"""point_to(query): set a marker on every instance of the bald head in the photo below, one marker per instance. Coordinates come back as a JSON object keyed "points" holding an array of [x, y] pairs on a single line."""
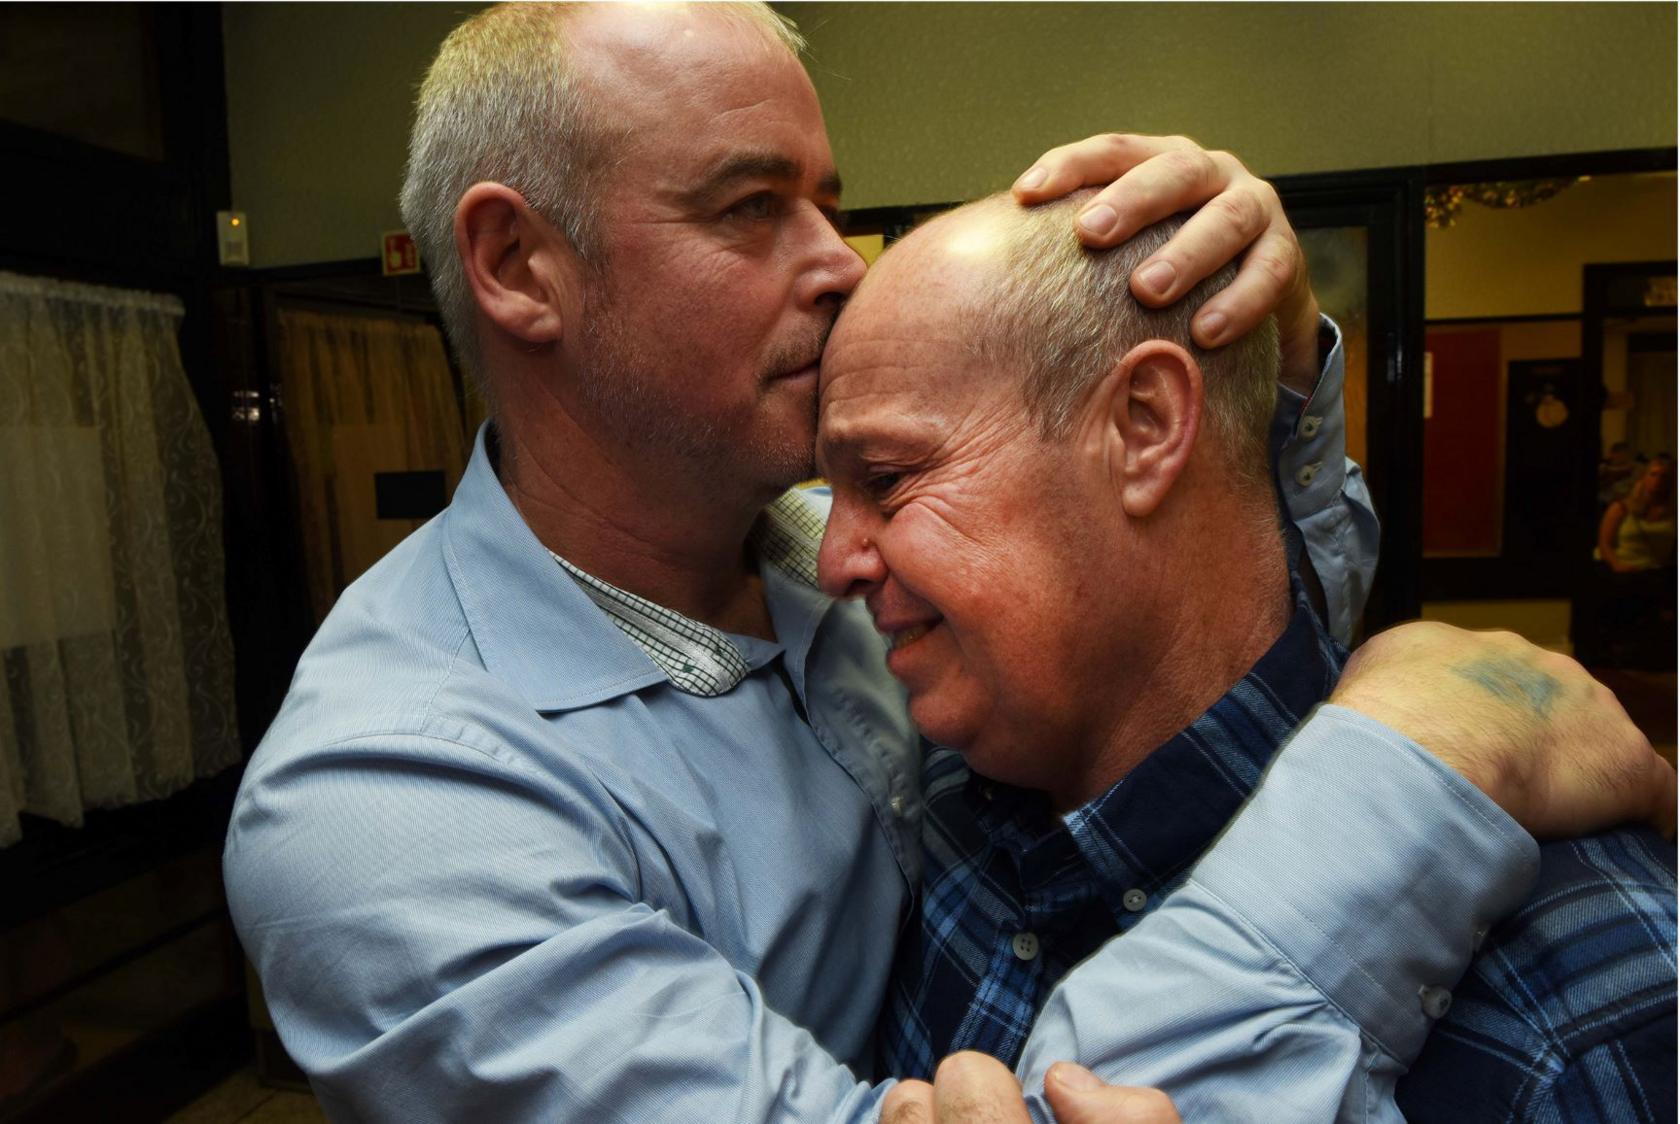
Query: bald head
{"points": [[1037, 304]]}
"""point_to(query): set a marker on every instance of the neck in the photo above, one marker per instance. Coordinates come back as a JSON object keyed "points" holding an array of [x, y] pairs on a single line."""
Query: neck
{"points": [[1202, 641], [677, 538]]}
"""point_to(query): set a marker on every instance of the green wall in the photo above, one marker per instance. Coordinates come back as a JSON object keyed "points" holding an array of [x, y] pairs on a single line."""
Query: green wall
{"points": [[936, 102]]}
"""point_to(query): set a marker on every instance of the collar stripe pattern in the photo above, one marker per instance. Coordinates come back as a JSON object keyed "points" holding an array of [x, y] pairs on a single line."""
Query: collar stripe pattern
{"points": [[696, 658]]}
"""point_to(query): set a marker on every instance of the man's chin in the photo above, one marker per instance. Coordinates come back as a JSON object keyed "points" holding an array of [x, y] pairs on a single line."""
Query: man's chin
{"points": [[942, 725], [1007, 761], [785, 455]]}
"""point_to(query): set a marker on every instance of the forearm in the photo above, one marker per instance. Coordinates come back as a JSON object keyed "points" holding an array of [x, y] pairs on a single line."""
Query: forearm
{"points": [[1288, 969]]}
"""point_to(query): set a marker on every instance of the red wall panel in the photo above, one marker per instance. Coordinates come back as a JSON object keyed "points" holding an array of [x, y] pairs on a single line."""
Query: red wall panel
{"points": [[1461, 444]]}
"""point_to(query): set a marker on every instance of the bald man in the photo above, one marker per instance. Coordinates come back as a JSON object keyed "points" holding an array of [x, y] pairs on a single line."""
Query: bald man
{"points": [[1061, 510]]}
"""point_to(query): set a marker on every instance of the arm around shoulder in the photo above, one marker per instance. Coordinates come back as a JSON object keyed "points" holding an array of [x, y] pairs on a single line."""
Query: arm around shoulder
{"points": [[1317, 925]]}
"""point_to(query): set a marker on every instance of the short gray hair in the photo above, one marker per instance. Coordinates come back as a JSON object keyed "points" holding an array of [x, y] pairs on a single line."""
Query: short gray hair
{"points": [[501, 103], [1063, 315]]}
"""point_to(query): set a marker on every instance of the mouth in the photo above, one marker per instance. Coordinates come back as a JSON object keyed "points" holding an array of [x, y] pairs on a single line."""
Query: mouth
{"points": [[900, 637], [908, 635], [807, 372]]}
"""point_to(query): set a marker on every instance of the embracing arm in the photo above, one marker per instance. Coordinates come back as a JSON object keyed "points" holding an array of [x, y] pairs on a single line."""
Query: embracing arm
{"points": [[1302, 963], [1296, 966]]}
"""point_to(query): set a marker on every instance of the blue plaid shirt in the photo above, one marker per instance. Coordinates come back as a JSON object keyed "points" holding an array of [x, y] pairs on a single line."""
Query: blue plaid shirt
{"points": [[1567, 1012]]}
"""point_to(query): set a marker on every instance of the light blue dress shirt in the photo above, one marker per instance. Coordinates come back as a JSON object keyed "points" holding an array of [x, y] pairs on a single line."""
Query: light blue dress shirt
{"points": [[1303, 962], [492, 865], [1325, 491]]}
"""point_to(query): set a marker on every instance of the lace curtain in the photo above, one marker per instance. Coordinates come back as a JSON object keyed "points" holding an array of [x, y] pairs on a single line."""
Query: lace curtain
{"points": [[364, 397], [118, 664]]}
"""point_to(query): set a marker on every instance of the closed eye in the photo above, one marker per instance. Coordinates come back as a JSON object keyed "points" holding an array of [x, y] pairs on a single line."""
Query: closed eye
{"points": [[882, 484], [756, 207]]}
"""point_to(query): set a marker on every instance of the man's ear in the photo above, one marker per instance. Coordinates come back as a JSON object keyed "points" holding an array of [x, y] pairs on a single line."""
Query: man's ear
{"points": [[1141, 420], [517, 265]]}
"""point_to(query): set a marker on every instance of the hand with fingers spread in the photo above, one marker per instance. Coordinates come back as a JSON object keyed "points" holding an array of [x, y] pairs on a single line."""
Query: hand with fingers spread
{"points": [[973, 1088], [1237, 215]]}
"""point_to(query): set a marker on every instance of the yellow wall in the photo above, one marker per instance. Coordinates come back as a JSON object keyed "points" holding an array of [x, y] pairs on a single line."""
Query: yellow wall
{"points": [[936, 102], [1545, 623], [1528, 260]]}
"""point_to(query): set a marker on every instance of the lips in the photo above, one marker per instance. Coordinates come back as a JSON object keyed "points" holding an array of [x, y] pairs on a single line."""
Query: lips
{"points": [[809, 370], [901, 633], [902, 618]]}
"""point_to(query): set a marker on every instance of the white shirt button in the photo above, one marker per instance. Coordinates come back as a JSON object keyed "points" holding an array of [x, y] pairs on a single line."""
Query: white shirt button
{"points": [[1308, 471], [1025, 945], [1309, 426], [897, 805], [1435, 1001], [1134, 900]]}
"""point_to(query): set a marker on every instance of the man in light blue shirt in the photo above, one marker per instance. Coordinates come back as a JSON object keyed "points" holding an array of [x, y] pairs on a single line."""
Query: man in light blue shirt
{"points": [[584, 803]]}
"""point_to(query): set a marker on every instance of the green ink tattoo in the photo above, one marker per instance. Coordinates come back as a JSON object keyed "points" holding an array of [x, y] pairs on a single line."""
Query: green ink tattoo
{"points": [[1512, 681]]}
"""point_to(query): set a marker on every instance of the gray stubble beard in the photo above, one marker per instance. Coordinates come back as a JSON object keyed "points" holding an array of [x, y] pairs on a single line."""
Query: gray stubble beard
{"points": [[641, 412]]}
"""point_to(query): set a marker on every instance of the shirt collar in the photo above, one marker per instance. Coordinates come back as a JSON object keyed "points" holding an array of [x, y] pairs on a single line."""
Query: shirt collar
{"points": [[697, 658], [1143, 833], [534, 629], [540, 632]]}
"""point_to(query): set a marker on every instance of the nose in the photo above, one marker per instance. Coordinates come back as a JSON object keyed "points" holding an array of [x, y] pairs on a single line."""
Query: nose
{"points": [[849, 562], [835, 268]]}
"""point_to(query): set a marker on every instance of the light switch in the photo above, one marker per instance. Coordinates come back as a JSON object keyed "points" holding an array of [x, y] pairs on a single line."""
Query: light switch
{"points": [[233, 238]]}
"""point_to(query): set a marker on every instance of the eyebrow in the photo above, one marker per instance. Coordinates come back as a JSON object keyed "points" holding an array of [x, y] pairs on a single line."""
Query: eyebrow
{"points": [[854, 443], [753, 165]]}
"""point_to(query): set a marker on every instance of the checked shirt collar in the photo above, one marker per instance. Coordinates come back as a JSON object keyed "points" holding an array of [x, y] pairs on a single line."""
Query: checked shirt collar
{"points": [[697, 658]]}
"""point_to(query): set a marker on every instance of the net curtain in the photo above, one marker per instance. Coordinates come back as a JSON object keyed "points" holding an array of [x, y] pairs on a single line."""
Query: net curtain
{"points": [[118, 663]]}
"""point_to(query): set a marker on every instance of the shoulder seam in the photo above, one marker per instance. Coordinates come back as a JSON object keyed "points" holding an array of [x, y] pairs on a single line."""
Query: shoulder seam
{"points": [[448, 673]]}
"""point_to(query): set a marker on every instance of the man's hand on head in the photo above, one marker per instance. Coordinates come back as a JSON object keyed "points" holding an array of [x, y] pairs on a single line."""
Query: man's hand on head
{"points": [[1545, 740], [1237, 215], [973, 1088]]}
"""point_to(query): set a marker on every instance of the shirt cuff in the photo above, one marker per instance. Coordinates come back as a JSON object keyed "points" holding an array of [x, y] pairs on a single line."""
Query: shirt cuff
{"points": [[1374, 869], [1309, 432]]}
